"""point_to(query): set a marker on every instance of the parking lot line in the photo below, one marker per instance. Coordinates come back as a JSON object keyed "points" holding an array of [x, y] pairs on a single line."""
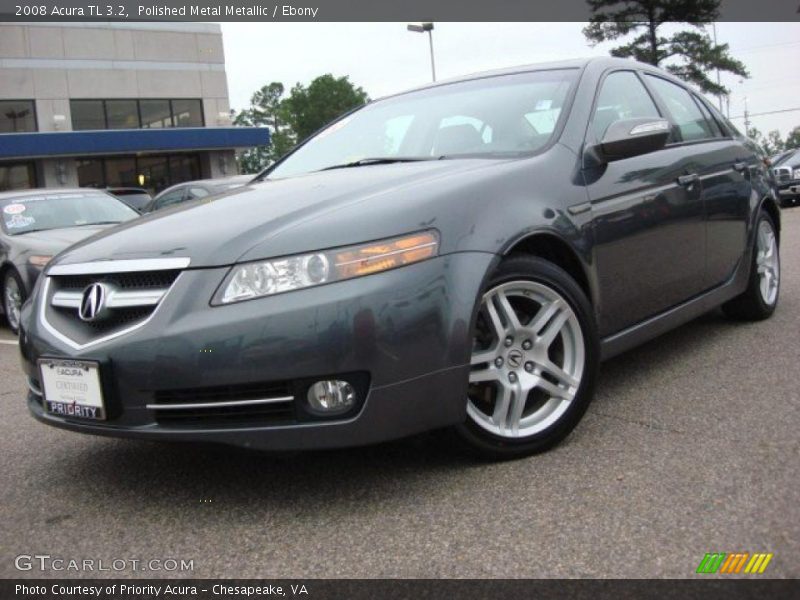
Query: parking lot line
{"points": [[9, 342]]}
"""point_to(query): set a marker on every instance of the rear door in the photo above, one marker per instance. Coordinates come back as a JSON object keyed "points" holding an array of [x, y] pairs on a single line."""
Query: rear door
{"points": [[647, 215], [723, 164]]}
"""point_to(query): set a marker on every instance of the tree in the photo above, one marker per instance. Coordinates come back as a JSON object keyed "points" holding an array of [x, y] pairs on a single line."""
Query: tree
{"points": [[309, 108], [265, 111], [690, 54], [292, 119], [793, 139], [771, 143]]}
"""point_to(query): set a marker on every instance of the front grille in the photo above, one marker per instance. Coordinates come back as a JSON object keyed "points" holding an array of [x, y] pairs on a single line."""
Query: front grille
{"points": [[251, 404], [783, 174], [130, 299], [135, 280]]}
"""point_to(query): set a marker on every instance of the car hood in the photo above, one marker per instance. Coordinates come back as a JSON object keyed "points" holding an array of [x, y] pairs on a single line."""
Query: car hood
{"points": [[298, 214], [53, 241]]}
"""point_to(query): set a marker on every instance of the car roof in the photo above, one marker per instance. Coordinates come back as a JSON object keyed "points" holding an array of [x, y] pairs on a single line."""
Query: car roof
{"points": [[210, 182], [49, 191], [573, 63]]}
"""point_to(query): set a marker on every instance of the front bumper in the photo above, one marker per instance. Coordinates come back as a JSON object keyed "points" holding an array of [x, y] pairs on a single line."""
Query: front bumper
{"points": [[407, 331]]}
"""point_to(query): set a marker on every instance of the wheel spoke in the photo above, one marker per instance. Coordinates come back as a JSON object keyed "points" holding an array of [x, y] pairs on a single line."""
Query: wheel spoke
{"points": [[508, 312], [486, 356], [484, 375], [563, 377], [494, 317], [545, 315], [554, 390], [551, 331], [508, 407]]}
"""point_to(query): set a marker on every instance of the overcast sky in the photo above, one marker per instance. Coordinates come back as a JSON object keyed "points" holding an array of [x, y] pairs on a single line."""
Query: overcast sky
{"points": [[384, 57]]}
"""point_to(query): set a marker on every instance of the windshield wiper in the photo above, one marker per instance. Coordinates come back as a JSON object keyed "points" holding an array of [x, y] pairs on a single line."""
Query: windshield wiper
{"points": [[381, 160], [98, 223]]}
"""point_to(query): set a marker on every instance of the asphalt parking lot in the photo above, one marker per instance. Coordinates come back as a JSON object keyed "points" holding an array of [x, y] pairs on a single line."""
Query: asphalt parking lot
{"points": [[691, 446]]}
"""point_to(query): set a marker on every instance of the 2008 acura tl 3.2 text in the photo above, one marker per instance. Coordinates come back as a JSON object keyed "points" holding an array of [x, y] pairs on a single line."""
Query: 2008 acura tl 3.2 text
{"points": [[460, 255]]}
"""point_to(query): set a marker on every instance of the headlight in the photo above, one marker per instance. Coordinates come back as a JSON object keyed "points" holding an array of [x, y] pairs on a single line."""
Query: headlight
{"points": [[266, 278], [39, 260], [796, 174]]}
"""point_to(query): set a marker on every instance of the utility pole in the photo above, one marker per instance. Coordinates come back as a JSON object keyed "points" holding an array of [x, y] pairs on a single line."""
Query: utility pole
{"points": [[719, 97], [746, 118]]}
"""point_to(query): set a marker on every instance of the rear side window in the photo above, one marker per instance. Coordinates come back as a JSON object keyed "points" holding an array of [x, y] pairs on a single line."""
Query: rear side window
{"points": [[169, 199], [622, 96], [197, 192], [686, 115]]}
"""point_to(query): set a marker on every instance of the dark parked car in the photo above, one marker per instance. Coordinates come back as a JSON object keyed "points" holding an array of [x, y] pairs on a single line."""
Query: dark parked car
{"points": [[787, 177], [463, 255], [192, 190], [35, 225], [137, 198]]}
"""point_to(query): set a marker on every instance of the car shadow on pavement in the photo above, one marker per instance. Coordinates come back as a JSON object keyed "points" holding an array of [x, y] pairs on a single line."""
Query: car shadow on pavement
{"points": [[183, 472]]}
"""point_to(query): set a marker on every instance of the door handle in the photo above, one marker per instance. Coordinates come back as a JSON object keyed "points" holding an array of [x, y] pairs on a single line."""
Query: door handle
{"points": [[688, 180], [741, 167]]}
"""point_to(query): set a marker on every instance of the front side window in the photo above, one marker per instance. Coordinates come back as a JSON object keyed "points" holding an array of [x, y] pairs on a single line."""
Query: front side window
{"points": [[54, 211], [17, 116], [691, 123], [491, 117], [623, 96]]}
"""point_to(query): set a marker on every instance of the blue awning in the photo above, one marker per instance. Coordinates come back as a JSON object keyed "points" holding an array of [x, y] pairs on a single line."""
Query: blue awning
{"points": [[121, 141]]}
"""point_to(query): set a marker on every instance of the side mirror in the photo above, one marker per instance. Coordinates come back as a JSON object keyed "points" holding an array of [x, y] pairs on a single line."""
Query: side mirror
{"points": [[632, 137]]}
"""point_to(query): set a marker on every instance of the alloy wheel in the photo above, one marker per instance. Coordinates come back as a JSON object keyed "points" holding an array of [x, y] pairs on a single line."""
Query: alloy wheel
{"points": [[527, 362], [767, 262], [12, 302]]}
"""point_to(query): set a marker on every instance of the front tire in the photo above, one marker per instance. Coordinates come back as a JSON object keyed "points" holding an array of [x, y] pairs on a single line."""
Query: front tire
{"points": [[534, 363], [759, 300], [13, 297]]}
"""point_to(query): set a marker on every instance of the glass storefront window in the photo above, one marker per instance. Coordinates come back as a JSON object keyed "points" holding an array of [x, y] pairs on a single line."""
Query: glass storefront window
{"points": [[17, 116], [122, 114], [187, 113], [87, 114], [154, 172], [90, 173], [17, 176], [155, 113], [121, 172]]}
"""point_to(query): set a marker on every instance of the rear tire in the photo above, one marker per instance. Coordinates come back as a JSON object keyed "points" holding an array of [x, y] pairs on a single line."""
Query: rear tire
{"points": [[759, 300], [534, 363]]}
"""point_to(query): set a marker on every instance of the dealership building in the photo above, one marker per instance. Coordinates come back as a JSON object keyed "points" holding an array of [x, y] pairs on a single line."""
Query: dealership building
{"points": [[115, 104]]}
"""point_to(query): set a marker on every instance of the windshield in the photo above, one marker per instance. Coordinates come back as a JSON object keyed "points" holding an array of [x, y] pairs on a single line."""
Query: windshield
{"points": [[53, 211], [786, 156], [507, 115]]}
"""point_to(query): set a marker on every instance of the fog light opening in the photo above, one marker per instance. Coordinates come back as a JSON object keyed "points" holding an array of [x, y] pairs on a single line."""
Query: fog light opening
{"points": [[331, 397]]}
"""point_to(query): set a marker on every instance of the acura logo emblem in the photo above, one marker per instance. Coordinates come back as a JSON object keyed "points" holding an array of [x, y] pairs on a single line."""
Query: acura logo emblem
{"points": [[93, 302], [515, 358]]}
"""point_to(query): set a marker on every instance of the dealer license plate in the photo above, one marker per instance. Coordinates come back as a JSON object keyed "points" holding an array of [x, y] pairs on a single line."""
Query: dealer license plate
{"points": [[71, 388]]}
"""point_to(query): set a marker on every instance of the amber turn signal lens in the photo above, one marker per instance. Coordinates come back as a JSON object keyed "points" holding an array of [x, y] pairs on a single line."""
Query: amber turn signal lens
{"points": [[385, 255]]}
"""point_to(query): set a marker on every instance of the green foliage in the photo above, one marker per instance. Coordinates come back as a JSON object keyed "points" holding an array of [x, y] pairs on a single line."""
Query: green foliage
{"points": [[689, 54], [772, 142], [793, 139], [322, 101], [292, 119]]}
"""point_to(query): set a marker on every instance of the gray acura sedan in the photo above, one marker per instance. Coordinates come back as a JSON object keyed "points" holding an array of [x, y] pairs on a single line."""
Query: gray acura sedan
{"points": [[458, 256]]}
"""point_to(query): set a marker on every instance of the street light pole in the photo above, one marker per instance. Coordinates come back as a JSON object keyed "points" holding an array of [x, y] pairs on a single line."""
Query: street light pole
{"points": [[426, 27]]}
